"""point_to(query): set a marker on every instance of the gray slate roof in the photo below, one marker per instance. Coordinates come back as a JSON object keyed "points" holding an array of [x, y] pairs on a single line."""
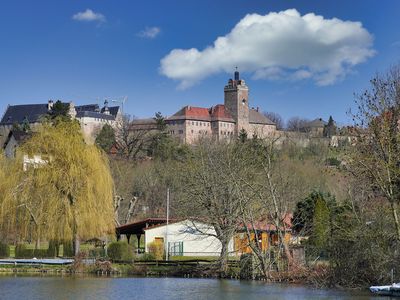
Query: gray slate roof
{"points": [[18, 113], [93, 114], [87, 107], [113, 110], [256, 117]]}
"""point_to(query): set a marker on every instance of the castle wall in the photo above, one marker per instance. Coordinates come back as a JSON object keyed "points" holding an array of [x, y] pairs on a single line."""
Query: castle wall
{"points": [[261, 130]]}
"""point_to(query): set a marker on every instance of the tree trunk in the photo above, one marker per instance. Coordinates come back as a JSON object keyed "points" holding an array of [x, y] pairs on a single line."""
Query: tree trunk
{"points": [[393, 206], [76, 244], [223, 259]]}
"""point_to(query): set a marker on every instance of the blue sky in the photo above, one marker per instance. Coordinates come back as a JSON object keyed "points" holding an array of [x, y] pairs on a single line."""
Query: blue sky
{"points": [[85, 51]]}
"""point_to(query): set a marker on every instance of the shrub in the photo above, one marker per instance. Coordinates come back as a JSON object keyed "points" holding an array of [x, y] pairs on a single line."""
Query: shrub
{"points": [[53, 249], [4, 250], [68, 249], [21, 251], [156, 249], [40, 253], [120, 251], [96, 252]]}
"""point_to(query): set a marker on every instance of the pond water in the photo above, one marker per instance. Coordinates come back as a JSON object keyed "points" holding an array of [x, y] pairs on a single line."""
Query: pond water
{"points": [[69, 287]]}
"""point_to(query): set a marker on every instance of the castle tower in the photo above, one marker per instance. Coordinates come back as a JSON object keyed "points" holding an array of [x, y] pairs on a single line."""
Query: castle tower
{"points": [[236, 100]]}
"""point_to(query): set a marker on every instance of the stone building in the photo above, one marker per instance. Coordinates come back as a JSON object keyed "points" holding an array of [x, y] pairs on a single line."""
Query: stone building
{"points": [[222, 121], [90, 117]]}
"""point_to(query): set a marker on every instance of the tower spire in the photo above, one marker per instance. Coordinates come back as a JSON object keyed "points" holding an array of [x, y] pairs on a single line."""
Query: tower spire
{"points": [[237, 77]]}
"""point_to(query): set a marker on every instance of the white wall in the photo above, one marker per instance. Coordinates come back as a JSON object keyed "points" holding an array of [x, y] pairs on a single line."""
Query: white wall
{"points": [[195, 243]]}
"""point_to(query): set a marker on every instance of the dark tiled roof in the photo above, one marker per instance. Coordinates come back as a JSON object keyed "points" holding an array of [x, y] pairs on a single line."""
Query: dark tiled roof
{"points": [[18, 113], [256, 117], [87, 107], [19, 135], [93, 114], [113, 110]]}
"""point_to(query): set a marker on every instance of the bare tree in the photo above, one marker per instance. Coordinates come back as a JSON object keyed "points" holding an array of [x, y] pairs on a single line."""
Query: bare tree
{"points": [[276, 118], [130, 142], [376, 155], [210, 192], [296, 124]]}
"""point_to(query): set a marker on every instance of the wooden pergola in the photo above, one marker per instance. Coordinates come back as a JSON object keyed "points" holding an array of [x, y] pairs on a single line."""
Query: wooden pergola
{"points": [[137, 228]]}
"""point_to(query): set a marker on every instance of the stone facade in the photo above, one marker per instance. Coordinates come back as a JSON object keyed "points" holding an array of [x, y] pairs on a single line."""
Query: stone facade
{"points": [[90, 117], [222, 121]]}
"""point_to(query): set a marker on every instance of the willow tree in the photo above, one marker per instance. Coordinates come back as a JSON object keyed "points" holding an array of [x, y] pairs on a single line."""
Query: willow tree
{"points": [[60, 187]]}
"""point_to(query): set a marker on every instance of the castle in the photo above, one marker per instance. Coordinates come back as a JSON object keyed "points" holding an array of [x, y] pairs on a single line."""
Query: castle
{"points": [[91, 118], [222, 121]]}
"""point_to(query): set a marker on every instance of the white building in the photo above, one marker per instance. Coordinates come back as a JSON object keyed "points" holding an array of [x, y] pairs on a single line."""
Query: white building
{"points": [[185, 238]]}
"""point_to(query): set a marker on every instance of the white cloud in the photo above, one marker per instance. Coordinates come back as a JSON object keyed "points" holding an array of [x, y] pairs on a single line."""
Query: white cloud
{"points": [[149, 32], [89, 16], [283, 45]]}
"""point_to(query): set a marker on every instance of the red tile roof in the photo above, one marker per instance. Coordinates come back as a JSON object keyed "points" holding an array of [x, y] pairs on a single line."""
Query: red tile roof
{"points": [[214, 113]]}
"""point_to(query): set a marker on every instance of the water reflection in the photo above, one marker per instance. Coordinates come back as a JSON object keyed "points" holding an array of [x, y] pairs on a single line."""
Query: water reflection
{"points": [[69, 287]]}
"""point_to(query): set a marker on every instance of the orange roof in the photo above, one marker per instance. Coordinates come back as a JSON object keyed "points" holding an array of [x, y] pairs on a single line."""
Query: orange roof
{"points": [[214, 113]]}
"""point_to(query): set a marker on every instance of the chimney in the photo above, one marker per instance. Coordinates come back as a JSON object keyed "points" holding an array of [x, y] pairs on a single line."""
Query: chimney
{"points": [[50, 105]]}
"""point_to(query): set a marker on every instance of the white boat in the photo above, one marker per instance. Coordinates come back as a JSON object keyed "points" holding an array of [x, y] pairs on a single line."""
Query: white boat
{"points": [[386, 290]]}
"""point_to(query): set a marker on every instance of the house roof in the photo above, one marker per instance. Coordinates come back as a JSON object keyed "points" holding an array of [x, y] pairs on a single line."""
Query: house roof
{"points": [[87, 107], [215, 113], [18, 113], [112, 109], [138, 227], [19, 135], [220, 113], [316, 123], [256, 117], [93, 114]]}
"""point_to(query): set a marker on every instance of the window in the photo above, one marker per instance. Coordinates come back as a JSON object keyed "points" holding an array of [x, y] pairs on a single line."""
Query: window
{"points": [[175, 248], [180, 131]]}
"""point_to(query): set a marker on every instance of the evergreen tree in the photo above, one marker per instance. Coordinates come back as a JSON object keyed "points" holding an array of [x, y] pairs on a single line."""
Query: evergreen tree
{"points": [[106, 138], [321, 225], [60, 111], [330, 128], [243, 135]]}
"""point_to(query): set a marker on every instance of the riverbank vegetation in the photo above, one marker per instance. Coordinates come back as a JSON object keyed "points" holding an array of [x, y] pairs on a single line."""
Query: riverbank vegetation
{"points": [[337, 206]]}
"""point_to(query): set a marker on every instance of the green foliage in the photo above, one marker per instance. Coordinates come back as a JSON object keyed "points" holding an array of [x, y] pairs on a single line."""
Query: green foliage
{"points": [[22, 251], [303, 216], [321, 225], [363, 251], [4, 250], [120, 250], [68, 249], [96, 252], [53, 249], [333, 162], [160, 120], [330, 128], [60, 110], [157, 250], [68, 194], [106, 138], [243, 135]]}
